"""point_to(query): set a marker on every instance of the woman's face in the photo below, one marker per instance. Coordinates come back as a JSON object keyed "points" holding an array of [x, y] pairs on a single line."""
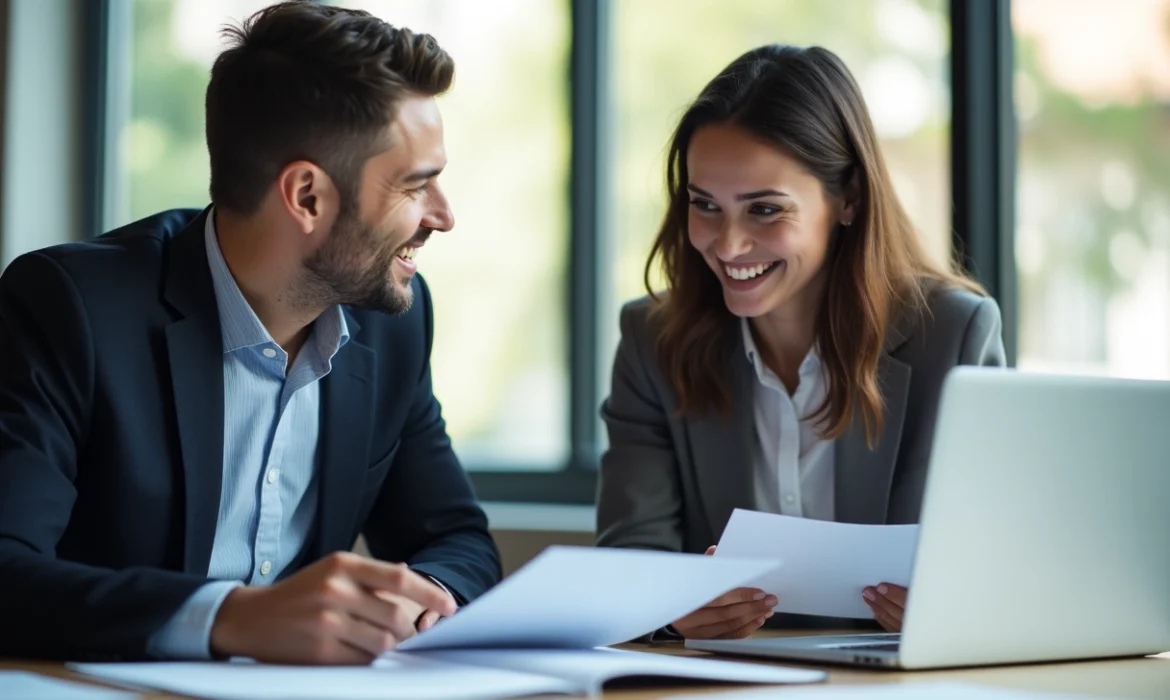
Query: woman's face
{"points": [[762, 223]]}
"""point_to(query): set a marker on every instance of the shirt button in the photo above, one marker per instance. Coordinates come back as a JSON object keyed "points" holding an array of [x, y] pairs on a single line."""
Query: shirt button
{"points": [[790, 499], [269, 353], [272, 475], [265, 568]]}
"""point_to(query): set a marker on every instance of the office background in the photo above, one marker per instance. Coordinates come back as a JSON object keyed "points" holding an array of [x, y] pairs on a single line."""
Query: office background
{"points": [[1030, 136]]}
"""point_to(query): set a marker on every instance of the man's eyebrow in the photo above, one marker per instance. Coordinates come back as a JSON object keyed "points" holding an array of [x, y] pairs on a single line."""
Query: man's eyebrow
{"points": [[419, 175]]}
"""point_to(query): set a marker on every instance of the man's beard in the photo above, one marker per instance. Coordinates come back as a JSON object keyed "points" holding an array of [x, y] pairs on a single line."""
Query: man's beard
{"points": [[336, 273]]}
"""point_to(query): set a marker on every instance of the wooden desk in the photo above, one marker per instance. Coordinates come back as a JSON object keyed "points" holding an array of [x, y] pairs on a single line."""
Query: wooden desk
{"points": [[1126, 678]]}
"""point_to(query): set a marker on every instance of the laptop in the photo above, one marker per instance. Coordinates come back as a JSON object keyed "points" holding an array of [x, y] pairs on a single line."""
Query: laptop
{"points": [[1044, 532]]}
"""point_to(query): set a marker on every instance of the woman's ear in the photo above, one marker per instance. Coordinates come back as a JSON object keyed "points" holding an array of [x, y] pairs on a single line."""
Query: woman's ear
{"points": [[851, 201]]}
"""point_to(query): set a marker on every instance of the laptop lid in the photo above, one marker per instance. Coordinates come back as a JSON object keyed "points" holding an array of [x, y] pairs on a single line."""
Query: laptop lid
{"points": [[1045, 524]]}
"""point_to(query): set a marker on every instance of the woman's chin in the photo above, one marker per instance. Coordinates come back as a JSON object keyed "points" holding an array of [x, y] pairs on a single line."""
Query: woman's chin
{"points": [[743, 307]]}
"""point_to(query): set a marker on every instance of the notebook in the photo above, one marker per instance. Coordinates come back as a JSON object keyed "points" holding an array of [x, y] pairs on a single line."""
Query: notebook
{"points": [[477, 674]]}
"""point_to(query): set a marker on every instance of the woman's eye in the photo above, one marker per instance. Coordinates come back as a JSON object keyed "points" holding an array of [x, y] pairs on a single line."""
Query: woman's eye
{"points": [[765, 210], [703, 205]]}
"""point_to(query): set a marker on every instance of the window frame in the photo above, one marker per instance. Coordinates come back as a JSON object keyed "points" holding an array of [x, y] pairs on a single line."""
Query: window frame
{"points": [[983, 163]]}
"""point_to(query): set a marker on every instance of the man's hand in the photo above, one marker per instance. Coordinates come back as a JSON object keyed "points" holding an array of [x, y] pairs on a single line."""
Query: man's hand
{"points": [[733, 615], [343, 609], [888, 603], [423, 618]]}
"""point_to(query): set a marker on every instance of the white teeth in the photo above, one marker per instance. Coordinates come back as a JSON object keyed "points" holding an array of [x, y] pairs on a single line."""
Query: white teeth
{"points": [[408, 253], [746, 273]]}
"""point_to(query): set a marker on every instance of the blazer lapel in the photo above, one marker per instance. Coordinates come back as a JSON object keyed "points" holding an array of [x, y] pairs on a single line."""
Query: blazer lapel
{"points": [[347, 406], [195, 349], [863, 476], [721, 449]]}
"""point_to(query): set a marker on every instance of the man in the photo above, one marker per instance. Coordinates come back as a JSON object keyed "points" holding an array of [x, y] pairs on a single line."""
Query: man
{"points": [[199, 412]]}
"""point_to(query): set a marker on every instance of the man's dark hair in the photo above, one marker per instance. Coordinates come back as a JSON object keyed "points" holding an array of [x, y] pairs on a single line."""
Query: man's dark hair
{"points": [[304, 81]]}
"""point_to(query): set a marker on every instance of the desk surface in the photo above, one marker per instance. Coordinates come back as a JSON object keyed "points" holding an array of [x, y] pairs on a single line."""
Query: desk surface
{"points": [[1126, 678]]}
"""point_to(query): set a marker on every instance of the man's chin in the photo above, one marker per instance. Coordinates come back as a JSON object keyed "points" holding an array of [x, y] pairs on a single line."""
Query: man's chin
{"points": [[394, 300]]}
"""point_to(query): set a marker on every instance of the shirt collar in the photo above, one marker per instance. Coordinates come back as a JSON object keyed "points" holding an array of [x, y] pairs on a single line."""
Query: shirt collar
{"points": [[808, 367], [239, 325]]}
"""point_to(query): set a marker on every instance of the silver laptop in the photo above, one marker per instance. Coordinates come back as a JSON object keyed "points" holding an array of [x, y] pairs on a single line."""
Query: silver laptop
{"points": [[1045, 530]]}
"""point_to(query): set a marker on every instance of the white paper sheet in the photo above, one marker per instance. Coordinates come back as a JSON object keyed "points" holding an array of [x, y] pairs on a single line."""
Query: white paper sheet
{"points": [[584, 597], [32, 686], [588, 669], [897, 691], [395, 677], [826, 564]]}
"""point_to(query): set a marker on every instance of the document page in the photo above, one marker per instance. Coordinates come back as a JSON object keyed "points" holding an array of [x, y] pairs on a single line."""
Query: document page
{"points": [[394, 677], [589, 669], [584, 597], [826, 564]]}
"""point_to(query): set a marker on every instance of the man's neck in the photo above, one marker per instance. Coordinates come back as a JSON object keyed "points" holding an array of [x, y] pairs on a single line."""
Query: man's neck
{"points": [[264, 278]]}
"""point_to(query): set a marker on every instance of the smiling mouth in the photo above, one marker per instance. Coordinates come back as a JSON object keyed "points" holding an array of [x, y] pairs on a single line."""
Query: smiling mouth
{"points": [[743, 273], [408, 252]]}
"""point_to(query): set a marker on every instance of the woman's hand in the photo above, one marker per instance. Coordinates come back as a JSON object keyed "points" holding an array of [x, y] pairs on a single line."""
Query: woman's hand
{"points": [[733, 615], [888, 603]]}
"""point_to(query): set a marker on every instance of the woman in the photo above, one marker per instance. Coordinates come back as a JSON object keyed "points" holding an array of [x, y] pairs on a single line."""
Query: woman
{"points": [[795, 361]]}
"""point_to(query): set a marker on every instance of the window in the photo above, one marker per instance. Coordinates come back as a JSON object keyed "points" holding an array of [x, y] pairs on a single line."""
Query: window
{"points": [[667, 50], [1093, 236], [557, 129], [499, 359], [156, 102]]}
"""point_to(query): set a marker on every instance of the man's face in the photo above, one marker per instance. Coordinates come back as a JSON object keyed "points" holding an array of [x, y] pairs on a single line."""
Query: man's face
{"points": [[367, 260]]}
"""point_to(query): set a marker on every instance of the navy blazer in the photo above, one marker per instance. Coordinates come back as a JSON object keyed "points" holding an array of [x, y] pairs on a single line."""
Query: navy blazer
{"points": [[111, 443]]}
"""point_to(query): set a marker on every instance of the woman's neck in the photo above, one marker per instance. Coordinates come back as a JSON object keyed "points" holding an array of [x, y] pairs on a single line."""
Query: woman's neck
{"points": [[783, 342], [784, 335]]}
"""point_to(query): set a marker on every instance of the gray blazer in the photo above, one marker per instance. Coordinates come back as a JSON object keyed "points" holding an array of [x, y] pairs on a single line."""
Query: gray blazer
{"points": [[671, 483]]}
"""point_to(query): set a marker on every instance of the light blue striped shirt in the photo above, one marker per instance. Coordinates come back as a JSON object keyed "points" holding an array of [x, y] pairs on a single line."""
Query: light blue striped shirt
{"points": [[268, 499]]}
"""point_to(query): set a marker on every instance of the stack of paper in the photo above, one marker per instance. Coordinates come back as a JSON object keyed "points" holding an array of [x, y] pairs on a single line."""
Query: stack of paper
{"points": [[534, 633]]}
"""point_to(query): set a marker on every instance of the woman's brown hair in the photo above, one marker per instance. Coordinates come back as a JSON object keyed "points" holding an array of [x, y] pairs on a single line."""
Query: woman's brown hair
{"points": [[805, 102]]}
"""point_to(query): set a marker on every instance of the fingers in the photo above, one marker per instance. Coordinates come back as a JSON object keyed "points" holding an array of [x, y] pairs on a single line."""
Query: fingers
{"points": [[877, 601], [395, 578], [887, 622], [393, 614], [714, 620], [732, 628], [361, 636], [746, 630], [894, 594], [738, 595], [888, 613], [710, 550], [428, 619]]}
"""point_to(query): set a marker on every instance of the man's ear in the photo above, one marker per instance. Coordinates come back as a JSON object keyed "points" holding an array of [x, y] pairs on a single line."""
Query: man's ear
{"points": [[308, 195]]}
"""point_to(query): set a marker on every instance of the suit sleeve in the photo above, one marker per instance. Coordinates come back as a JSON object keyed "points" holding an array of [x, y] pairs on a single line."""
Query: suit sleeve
{"points": [[50, 607], [983, 339], [426, 514], [639, 501]]}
